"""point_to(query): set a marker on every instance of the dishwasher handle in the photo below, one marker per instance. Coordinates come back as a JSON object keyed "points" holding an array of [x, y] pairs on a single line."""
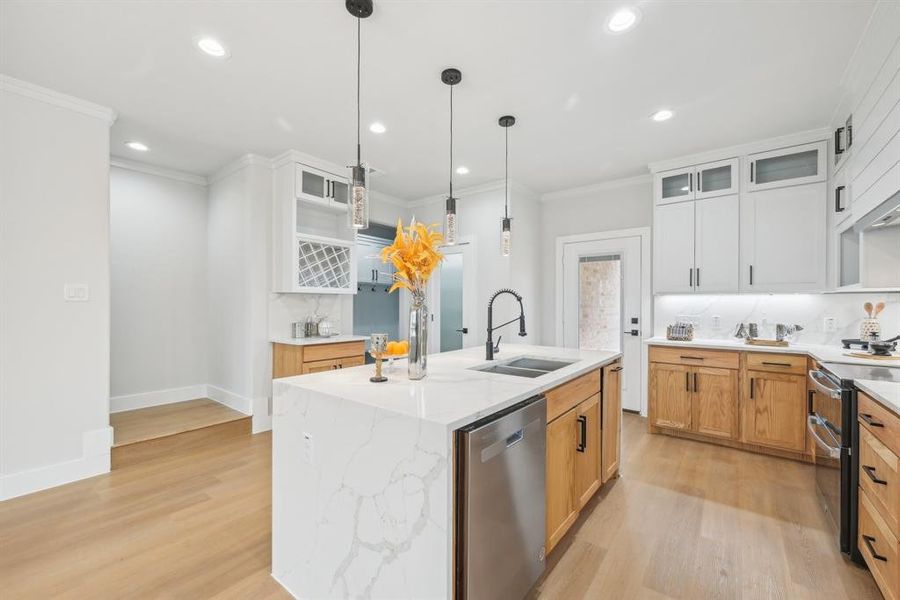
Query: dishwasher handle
{"points": [[812, 422], [824, 385]]}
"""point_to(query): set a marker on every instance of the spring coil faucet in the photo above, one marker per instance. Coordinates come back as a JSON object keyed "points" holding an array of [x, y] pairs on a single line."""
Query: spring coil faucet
{"points": [[489, 345]]}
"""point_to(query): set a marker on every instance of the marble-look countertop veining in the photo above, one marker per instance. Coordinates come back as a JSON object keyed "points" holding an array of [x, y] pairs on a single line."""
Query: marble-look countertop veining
{"points": [[452, 394], [885, 392], [834, 354], [314, 341]]}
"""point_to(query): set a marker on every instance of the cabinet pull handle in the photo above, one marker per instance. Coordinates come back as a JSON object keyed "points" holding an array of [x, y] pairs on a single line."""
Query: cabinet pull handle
{"points": [[691, 277], [696, 383], [582, 425], [870, 471], [699, 182], [698, 277], [810, 394], [690, 182], [869, 540], [617, 369], [751, 274], [751, 170], [752, 381], [870, 421], [838, 146], [776, 364], [682, 357], [838, 192], [687, 382]]}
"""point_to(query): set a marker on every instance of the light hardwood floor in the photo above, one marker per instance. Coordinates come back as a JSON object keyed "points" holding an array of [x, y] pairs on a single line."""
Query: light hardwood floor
{"points": [[685, 520], [132, 426]]}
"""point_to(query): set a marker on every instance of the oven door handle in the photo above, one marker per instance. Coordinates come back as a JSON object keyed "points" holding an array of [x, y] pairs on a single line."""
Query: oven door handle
{"points": [[811, 422], [821, 382]]}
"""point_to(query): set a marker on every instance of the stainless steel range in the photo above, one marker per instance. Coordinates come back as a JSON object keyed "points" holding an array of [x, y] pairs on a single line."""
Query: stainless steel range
{"points": [[833, 425]]}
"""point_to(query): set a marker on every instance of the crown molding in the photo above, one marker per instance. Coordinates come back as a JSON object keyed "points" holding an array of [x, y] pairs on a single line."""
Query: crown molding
{"points": [[586, 190], [490, 186], [784, 141], [42, 94], [236, 165], [133, 165]]}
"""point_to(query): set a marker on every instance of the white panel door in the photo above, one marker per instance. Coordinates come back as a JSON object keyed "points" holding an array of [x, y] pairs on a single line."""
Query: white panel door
{"points": [[783, 239], [673, 248], [716, 244]]}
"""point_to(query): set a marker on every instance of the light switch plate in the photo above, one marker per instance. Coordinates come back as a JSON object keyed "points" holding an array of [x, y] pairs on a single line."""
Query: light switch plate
{"points": [[716, 322], [829, 324], [76, 292]]}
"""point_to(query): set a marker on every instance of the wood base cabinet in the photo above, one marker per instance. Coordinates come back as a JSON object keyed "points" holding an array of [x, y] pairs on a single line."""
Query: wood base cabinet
{"points": [[611, 422], [289, 360], [775, 410], [562, 508]]}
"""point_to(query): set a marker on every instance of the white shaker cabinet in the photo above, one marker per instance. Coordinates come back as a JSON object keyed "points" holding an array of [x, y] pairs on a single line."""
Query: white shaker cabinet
{"points": [[322, 187], [673, 248], [717, 179], [796, 165], [783, 239], [716, 244]]}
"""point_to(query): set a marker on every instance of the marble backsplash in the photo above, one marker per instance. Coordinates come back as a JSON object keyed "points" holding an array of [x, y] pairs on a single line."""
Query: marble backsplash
{"points": [[284, 309], [807, 310]]}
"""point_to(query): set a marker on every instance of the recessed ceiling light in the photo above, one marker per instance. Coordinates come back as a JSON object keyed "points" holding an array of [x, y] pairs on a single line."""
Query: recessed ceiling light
{"points": [[212, 46], [377, 127], [137, 146], [663, 115], [623, 19], [462, 170]]}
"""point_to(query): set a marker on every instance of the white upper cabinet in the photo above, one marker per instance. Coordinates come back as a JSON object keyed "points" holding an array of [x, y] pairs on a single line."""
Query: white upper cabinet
{"points": [[674, 186], [716, 244], [707, 180], [322, 187], [796, 165], [673, 248], [783, 239], [717, 179]]}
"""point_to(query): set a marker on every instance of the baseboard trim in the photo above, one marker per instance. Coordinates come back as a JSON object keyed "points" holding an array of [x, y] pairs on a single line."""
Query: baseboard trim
{"points": [[95, 460], [230, 399], [157, 398]]}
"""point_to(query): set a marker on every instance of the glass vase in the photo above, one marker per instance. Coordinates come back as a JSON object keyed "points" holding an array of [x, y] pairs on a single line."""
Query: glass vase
{"points": [[418, 339]]}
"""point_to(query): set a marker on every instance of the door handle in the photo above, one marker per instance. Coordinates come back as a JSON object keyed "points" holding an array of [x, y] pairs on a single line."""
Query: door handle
{"points": [[582, 425], [633, 332], [463, 330], [870, 471]]}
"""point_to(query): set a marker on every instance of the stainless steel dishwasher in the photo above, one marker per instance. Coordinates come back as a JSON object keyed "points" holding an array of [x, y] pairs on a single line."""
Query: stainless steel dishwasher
{"points": [[500, 503]]}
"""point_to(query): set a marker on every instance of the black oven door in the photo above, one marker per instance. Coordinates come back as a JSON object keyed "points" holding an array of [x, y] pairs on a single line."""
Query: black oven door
{"points": [[831, 452]]}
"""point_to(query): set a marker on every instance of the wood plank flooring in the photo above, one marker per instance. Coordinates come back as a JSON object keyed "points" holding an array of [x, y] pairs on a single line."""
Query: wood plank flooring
{"points": [[685, 520], [143, 424]]}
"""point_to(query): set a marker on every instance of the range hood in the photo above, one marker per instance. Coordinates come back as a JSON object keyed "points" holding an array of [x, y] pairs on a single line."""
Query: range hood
{"points": [[886, 214]]}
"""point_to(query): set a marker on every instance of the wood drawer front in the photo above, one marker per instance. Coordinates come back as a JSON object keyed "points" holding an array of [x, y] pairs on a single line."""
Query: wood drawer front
{"points": [[879, 548], [722, 359], [883, 424], [570, 394], [777, 363], [287, 360], [353, 361], [329, 351], [878, 476]]}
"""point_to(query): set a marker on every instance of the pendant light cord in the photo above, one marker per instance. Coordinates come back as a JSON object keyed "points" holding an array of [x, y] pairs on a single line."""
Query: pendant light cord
{"points": [[358, 59], [451, 141], [506, 178]]}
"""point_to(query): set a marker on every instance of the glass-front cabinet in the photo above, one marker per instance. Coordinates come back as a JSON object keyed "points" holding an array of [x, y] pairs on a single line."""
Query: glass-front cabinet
{"points": [[321, 187], [706, 180], [674, 186], [796, 165]]}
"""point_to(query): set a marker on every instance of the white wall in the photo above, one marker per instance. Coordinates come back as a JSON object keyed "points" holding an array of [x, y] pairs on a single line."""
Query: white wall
{"points": [[159, 288], [621, 204], [54, 230]]}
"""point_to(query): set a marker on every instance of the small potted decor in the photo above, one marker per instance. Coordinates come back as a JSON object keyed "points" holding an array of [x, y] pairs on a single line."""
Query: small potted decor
{"points": [[415, 256]]}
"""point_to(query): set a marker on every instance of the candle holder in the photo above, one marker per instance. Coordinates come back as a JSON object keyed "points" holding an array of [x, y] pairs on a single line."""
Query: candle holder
{"points": [[377, 349]]}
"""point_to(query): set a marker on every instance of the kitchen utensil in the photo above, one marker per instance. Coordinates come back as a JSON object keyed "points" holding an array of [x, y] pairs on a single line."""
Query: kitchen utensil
{"points": [[298, 329], [311, 328], [752, 330], [741, 331], [325, 328], [882, 348], [868, 356], [869, 329], [878, 308], [868, 308]]}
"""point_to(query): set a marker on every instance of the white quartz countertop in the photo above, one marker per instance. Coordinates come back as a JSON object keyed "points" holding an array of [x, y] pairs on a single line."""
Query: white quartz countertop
{"points": [[885, 392], [833, 354], [452, 394], [313, 341]]}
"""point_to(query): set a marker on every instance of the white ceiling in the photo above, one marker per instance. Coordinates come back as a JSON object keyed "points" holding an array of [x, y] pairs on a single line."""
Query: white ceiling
{"points": [[732, 71]]}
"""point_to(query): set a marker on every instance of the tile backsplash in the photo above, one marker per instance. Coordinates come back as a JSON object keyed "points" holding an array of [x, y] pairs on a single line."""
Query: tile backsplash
{"points": [[284, 309], [807, 310]]}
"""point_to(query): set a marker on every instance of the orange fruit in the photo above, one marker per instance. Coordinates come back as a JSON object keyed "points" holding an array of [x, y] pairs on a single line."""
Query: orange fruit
{"points": [[392, 348]]}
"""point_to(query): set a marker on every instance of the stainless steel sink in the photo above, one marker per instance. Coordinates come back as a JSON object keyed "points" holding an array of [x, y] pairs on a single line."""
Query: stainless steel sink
{"points": [[525, 367], [541, 364], [507, 370]]}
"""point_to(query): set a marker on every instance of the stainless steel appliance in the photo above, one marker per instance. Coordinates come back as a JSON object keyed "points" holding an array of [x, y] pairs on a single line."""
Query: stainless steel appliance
{"points": [[500, 503], [833, 425]]}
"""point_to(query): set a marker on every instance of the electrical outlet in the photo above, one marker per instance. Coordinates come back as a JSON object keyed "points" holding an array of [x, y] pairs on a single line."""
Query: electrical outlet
{"points": [[829, 324], [716, 322], [307, 447], [76, 292]]}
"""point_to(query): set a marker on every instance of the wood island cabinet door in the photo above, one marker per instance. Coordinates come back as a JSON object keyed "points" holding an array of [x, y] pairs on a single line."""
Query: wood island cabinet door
{"points": [[775, 410], [670, 396], [317, 366], [587, 450], [715, 402], [611, 421], [562, 502]]}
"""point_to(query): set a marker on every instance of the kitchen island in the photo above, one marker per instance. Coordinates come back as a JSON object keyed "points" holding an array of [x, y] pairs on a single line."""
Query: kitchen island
{"points": [[363, 473]]}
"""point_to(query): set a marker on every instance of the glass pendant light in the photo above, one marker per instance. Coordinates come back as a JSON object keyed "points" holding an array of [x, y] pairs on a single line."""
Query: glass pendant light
{"points": [[358, 211], [505, 232], [451, 77]]}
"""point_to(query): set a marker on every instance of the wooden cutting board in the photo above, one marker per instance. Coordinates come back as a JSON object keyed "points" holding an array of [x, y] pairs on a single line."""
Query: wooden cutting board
{"points": [[868, 356], [762, 342]]}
